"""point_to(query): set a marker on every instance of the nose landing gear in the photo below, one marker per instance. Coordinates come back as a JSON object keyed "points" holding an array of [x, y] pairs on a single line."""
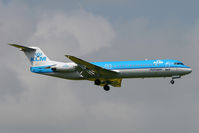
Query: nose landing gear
{"points": [[174, 77], [172, 81]]}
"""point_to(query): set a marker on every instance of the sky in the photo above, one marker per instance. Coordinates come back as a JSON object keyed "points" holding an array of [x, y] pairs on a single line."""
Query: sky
{"points": [[98, 30]]}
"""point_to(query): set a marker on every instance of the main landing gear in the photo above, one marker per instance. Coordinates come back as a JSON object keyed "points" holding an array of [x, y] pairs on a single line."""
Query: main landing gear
{"points": [[106, 86], [97, 82]]}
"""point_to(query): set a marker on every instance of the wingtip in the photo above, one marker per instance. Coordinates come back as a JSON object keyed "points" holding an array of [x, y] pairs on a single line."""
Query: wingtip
{"points": [[68, 56], [11, 44], [14, 45]]}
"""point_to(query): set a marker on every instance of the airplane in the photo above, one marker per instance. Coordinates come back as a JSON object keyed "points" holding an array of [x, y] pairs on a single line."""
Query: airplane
{"points": [[103, 73]]}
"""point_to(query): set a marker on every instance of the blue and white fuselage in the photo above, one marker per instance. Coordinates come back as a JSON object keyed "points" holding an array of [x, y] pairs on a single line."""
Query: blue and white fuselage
{"points": [[125, 69], [103, 73]]}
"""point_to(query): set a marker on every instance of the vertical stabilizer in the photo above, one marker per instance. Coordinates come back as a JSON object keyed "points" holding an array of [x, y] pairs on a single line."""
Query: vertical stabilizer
{"points": [[35, 55]]}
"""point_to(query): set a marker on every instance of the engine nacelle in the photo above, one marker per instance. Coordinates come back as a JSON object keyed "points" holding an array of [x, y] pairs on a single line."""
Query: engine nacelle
{"points": [[64, 68]]}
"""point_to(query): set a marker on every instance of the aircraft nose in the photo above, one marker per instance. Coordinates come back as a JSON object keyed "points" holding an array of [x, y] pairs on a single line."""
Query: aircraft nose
{"points": [[189, 70]]}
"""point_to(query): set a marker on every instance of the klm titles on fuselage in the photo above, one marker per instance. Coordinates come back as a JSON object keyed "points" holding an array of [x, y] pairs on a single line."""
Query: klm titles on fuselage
{"points": [[37, 57]]}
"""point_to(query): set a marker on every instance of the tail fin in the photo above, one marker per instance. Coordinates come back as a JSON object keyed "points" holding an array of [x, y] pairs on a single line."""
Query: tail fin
{"points": [[34, 55]]}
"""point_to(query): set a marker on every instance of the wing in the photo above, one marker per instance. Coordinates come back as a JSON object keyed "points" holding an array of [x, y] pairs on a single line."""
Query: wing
{"points": [[91, 68], [88, 70]]}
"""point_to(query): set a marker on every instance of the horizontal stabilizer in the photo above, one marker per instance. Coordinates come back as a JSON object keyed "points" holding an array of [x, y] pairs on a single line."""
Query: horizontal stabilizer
{"points": [[23, 48], [34, 54]]}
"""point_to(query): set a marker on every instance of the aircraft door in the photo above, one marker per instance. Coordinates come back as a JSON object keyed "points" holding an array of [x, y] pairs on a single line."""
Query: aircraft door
{"points": [[167, 67]]}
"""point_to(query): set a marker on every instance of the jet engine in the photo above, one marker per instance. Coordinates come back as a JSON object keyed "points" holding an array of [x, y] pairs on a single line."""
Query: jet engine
{"points": [[64, 68]]}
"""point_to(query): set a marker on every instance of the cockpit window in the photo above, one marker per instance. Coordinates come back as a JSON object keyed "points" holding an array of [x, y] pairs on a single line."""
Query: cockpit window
{"points": [[178, 63]]}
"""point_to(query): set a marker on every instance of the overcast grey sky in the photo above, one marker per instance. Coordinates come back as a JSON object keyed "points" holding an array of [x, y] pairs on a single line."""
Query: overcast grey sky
{"points": [[98, 30]]}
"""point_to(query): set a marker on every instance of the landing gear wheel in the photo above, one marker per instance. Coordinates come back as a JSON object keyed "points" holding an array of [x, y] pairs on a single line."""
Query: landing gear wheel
{"points": [[172, 81], [106, 88], [97, 82]]}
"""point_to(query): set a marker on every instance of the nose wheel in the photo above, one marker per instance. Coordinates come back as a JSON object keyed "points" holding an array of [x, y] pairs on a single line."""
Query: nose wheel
{"points": [[174, 77], [172, 81]]}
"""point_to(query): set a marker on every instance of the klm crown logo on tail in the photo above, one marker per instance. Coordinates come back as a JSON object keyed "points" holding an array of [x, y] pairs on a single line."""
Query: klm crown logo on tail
{"points": [[38, 57], [35, 55]]}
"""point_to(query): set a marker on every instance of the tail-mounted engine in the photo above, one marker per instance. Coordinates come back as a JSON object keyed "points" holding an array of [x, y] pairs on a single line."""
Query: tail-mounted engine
{"points": [[63, 68]]}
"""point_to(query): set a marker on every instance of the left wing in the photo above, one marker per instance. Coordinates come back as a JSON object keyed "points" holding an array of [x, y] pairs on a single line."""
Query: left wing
{"points": [[86, 66]]}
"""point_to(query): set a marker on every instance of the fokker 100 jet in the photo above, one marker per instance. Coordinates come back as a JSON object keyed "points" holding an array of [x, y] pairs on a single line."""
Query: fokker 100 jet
{"points": [[103, 73]]}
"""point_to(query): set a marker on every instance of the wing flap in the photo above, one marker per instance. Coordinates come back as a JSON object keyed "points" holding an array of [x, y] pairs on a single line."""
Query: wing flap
{"points": [[116, 82]]}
